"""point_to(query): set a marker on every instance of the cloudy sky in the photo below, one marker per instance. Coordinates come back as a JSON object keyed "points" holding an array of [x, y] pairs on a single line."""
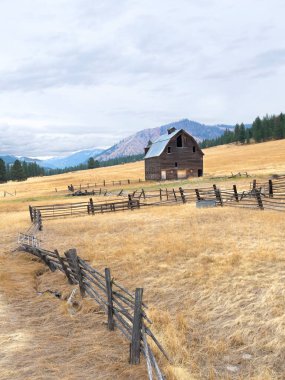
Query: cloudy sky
{"points": [[76, 74]]}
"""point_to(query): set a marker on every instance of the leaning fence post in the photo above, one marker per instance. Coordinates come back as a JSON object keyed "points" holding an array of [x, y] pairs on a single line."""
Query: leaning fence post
{"points": [[254, 184], [259, 200], [218, 195], [72, 259], [64, 267], [182, 195], [270, 188], [110, 299], [135, 347], [235, 192]]}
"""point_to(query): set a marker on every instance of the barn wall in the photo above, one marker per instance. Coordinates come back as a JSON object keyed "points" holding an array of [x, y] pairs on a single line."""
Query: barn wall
{"points": [[185, 158], [152, 169]]}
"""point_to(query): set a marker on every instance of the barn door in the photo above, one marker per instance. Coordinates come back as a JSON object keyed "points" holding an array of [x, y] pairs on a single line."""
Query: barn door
{"points": [[163, 174]]}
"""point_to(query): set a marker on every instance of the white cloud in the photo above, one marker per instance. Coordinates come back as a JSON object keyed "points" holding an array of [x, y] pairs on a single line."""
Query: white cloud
{"points": [[75, 73]]}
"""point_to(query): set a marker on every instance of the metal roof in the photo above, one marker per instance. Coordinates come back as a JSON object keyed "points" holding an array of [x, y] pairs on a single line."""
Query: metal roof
{"points": [[160, 144]]}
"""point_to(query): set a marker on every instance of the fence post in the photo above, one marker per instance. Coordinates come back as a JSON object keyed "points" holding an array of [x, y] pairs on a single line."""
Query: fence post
{"points": [[64, 267], [44, 258], [39, 220], [135, 347], [259, 200], [91, 206], [235, 192], [130, 201], [270, 188], [218, 195], [174, 195], [128, 181], [143, 193], [254, 184], [31, 213], [104, 183], [198, 194], [166, 191], [160, 195], [182, 195], [110, 299], [72, 259]]}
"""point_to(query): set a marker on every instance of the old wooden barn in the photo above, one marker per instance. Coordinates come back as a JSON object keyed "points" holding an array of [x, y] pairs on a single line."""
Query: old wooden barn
{"points": [[175, 155]]}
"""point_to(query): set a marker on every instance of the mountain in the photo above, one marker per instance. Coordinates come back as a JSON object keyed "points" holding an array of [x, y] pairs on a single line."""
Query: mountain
{"points": [[72, 160], [135, 144], [10, 159]]}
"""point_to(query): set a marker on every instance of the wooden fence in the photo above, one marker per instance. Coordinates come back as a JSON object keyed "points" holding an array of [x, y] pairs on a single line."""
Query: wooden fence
{"points": [[81, 208], [104, 183], [266, 195], [125, 309]]}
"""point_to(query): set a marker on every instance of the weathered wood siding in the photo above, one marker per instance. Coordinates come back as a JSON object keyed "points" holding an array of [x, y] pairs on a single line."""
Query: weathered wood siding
{"points": [[180, 160]]}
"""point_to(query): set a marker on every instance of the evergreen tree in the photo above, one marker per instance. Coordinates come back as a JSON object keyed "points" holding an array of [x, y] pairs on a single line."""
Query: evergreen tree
{"points": [[3, 173], [242, 134], [91, 163], [17, 171]]}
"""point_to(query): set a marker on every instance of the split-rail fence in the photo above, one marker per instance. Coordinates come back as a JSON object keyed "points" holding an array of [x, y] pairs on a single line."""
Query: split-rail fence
{"points": [[125, 310]]}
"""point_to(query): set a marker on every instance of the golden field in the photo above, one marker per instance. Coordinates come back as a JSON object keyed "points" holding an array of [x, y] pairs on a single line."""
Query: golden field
{"points": [[213, 280]]}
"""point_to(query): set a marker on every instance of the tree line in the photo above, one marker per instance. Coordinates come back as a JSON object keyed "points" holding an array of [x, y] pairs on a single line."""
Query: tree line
{"points": [[19, 171], [265, 129]]}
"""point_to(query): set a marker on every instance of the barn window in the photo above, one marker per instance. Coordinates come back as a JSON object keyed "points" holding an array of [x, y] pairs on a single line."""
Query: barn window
{"points": [[179, 141], [176, 164], [169, 149], [194, 149]]}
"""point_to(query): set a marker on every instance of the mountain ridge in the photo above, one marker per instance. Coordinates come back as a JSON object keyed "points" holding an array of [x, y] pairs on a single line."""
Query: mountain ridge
{"points": [[129, 146]]}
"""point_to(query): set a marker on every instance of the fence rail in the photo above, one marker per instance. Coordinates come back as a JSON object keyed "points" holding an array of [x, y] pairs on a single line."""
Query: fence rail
{"points": [[104, 183], [125, 309]]}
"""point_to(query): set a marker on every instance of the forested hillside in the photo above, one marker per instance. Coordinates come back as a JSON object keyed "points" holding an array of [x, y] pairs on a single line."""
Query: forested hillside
{"points": [[265, 129]]}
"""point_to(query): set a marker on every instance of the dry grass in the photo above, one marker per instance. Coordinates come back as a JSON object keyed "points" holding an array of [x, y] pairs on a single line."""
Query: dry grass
{"points": [[213, 280]]}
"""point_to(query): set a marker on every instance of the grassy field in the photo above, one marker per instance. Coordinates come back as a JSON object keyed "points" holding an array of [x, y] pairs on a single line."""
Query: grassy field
{"points": [[213, 280]]}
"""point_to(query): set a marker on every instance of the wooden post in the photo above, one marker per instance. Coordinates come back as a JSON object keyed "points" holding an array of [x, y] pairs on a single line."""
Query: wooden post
{"points": [[110, 299], [218, 195], [31, 213], [129, 181], [72, 259], [254, 184], [174, 195], [91, 205], [143, 193], [104, 183], [44, 258], [40, 224], [270, 184], [182, 195], [130, 202], [235, 192], [160, 195], [259, 200], [135, 348], [166, 192], [34, 215], [64, 267], [198, 195]]}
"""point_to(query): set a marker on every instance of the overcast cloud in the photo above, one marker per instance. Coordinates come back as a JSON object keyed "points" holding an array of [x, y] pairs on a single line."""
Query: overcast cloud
{"points": [[76, 74]]}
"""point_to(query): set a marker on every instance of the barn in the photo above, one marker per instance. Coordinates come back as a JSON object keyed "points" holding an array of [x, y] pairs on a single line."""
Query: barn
{"points": [[175, 155]]}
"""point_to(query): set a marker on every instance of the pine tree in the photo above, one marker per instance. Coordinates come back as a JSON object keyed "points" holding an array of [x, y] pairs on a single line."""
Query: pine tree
{"points": [[3, 173], [17, 171], [91, 163]]}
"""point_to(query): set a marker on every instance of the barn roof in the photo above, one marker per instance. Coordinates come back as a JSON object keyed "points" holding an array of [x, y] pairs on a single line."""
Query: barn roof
{"points": [[160, 144]]}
